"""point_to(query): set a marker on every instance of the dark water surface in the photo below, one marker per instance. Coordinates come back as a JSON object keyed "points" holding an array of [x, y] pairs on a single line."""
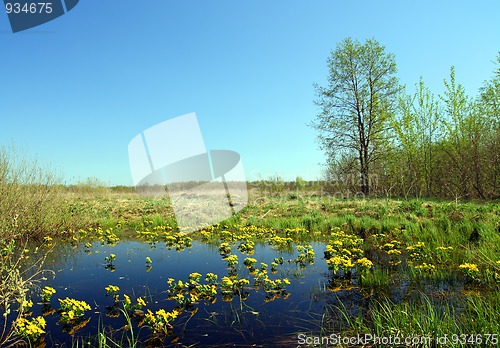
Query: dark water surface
{"points": [[254, 321]]}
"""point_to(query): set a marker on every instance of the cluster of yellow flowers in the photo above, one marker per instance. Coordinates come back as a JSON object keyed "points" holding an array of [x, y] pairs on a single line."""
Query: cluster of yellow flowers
{"points": [[191, 291], [24, 303], [247, 246], [364, 263], [277, 285], [344, 253], [469, 267], [231, 287], [306, 255], [127, 303], [103, 236], [470, 270], [388, 245], [425, 267], [259, 232], [296, 232], [71, 309], [416, 252], [249, 262], [47, 293], [443, 248], [339, 261], [31, 329], [153, 237], [178, 240], [112, 289], [281, 242], [232, 260], [109, 237], [269, 285], [224, 249], [159, 322], [109, 262]]}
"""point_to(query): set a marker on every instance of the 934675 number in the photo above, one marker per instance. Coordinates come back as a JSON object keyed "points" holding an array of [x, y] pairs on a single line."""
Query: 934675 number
{"points": [[33, 7]]}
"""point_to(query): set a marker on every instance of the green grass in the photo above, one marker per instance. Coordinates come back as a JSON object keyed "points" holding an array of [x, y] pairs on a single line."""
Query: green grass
{"points": [[34, 205], [420, 317]]}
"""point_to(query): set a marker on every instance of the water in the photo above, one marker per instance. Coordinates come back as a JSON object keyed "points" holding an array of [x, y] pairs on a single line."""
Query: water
{"points": [[253, 321], [310, 304]]}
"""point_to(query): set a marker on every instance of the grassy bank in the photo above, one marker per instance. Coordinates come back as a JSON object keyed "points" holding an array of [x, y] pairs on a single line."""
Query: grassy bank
{"points": [[371, 245]]}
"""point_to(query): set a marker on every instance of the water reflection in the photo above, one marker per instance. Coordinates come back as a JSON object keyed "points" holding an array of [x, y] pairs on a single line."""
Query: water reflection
{"points": [[82, 273], [312, 302]]}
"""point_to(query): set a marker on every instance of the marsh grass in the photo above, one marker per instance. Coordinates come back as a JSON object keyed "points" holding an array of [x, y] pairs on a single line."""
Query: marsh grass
{"points": [[418, 317], [111, 338], [413, 318], [34, 205], [378, 278]]}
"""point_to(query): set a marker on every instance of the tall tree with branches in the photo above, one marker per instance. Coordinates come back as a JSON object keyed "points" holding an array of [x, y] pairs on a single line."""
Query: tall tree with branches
{"points": [[357, 104]]}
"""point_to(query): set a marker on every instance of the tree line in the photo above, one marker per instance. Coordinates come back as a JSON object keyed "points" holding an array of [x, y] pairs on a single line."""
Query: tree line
{"points": [[406, 143]]}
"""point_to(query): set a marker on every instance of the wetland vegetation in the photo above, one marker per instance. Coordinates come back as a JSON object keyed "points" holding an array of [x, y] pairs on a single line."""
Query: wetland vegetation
{"points": [[402, 240], [95, 266]]}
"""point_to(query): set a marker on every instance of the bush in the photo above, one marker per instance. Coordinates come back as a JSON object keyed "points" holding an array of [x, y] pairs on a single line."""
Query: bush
{"points": [[31, 208], [31, 202]]}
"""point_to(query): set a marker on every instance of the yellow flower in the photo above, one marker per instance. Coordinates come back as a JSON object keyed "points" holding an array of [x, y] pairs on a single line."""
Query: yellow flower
{"points": [[32, 329], [249, 261], [211, 277], [150, 316], [227, 282], [346, 263], [141, 302], [166, 316], [41, 321], [338, 243], [25, 303], [112, 288], [194, 276], [470, 267], [126, 301], [179, 298], [48, 290], [442, 248], [194, 298], [394, 252], [364, 262], [425, 267]]}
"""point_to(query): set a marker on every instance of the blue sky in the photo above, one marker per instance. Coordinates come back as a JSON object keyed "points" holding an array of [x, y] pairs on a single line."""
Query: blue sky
{"points": [[76, 90]]}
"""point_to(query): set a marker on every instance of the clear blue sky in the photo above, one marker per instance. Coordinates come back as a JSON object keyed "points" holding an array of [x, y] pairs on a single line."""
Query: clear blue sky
{"points": [[76, 90]]}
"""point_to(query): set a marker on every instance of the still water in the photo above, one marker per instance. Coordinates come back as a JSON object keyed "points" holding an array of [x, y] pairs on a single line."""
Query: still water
{"points": [[255, 321]]}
